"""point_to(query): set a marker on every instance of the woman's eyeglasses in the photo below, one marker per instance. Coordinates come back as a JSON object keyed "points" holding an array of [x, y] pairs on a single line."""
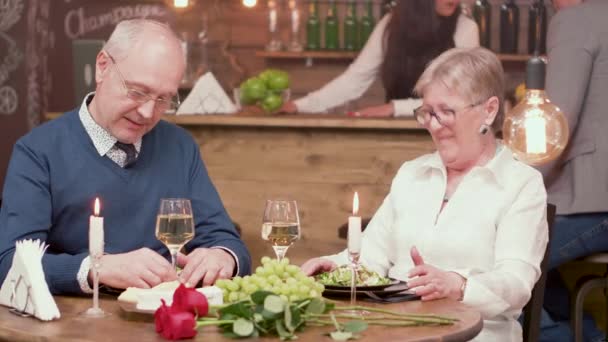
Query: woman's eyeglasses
{"points": [[445, 117]]}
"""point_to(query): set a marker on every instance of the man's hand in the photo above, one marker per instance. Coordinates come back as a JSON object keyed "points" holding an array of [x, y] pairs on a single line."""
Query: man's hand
{"points": [[431, 282], [142, 268], [384, 110], [206, 264], [318, 265]]}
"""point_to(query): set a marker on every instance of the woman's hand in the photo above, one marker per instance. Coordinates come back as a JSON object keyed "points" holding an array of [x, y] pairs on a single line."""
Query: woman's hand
{"points": [[318, 265], [384, 110], [289, 107], [433, 283]]}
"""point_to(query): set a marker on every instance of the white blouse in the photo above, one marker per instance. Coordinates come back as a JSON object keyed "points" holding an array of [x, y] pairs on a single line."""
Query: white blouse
{"points": [[362, 72], [493, 231]]}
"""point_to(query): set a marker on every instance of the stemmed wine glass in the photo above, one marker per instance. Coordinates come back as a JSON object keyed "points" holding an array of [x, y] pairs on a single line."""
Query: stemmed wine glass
{"points": [[174, 224], [281, 225]]}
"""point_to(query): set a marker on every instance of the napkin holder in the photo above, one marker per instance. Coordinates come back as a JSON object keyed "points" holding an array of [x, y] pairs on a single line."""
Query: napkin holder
{"points": [[25, 289]]}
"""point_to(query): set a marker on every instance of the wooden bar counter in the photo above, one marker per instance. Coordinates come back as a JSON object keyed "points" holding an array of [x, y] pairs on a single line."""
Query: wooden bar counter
{"points": [[318, 160], [122, 326]]}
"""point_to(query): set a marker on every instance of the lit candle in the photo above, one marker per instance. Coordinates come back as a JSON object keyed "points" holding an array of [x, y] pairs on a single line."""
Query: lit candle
{"points": [[96, 232], [273, 16], [536, 136], [354, 228]]}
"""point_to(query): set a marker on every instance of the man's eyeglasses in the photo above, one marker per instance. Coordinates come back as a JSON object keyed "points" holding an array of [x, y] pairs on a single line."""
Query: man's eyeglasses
{"points": [[161, 104], [445, 117]]}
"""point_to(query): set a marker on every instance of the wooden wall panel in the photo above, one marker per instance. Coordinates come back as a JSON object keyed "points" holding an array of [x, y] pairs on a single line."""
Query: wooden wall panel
{"points": [[320, 168]]}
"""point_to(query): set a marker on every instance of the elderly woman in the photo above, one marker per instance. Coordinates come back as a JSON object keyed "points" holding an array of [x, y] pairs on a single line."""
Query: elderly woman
{"points": [[467, 222]]}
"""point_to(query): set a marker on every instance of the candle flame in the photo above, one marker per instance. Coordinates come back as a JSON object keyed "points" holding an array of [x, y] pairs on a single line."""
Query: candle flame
{"points": [[355, 204], [96, 211]]}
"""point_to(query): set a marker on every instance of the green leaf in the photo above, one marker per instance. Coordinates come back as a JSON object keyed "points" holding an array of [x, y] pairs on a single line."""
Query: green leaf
{"points": [[341, 335], [242, 327], [240, 309], [274, 304], [258, 297], [316, 306], [354, 326], [296, 317]]}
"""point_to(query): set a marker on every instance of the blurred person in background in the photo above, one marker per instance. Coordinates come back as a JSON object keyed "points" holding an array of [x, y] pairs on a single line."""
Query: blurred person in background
{"points": [[577, 183], [398, 50]]}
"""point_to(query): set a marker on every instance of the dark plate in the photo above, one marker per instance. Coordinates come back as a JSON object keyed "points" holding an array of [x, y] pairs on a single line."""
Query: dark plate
{"points": [[382, 290], [364, 288]]}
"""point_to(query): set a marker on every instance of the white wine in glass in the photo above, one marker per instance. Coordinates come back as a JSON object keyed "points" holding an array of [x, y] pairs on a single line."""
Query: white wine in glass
{"points": [[174, 224], [281, 225]]}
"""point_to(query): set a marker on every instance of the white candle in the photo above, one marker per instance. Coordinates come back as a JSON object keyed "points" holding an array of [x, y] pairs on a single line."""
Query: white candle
{"points": [[354, 228], [96, 232], [536, 136]]}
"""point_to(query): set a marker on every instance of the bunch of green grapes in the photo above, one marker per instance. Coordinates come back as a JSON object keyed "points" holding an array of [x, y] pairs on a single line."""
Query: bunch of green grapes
{"points": [[279, 277]]}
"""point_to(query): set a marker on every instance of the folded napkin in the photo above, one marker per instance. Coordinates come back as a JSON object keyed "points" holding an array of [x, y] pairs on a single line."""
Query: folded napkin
{"points": [[207, 97], [25, 288]]}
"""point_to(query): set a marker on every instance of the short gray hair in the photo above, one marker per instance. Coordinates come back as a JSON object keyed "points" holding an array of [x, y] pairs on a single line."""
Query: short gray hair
{"points": [[127, 33], [474, 73]]}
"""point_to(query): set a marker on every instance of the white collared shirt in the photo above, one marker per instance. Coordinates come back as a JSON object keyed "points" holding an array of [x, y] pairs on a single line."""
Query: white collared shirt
{"points": [[493, 231], [103, 141]]}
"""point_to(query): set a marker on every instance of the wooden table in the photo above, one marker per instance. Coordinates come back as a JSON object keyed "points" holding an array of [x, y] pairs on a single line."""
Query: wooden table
{"points": [[121, 326]]}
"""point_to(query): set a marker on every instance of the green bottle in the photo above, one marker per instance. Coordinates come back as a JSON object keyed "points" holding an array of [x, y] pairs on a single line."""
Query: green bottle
{"points": [[331, 27], [367, 24], [350, 27], [313, 27]]}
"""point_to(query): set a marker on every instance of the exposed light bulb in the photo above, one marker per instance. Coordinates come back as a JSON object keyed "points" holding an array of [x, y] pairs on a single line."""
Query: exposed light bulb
{"points": [[536, 130], [249, 3], [180, 3]]}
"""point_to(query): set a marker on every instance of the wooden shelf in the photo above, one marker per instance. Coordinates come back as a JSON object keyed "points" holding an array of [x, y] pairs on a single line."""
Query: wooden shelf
{"points": [[353, 54], [307, 54]]}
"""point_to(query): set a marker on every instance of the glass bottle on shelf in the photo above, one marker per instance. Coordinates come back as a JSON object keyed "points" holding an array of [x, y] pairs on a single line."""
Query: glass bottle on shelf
{"points": [[273, 26], [350, 27], [313, 27], [482, 12], [509, 27], [537, 27], [294, 34], [367, 24], [331, 27]]}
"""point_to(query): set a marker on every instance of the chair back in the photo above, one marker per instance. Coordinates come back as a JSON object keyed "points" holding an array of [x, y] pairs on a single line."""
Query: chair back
{"points": [[532, 310]]}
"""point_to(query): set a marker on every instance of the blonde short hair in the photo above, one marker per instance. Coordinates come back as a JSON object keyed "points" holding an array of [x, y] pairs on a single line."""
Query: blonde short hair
{"points": [[474, 73]]}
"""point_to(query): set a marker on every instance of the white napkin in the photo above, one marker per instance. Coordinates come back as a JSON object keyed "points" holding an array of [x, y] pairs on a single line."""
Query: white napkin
{"points": [[150, 299], [207, 97], [25, 288]]}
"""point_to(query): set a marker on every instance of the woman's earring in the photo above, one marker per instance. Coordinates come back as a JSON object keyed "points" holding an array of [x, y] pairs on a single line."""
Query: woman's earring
{"points": [[484, 129]]}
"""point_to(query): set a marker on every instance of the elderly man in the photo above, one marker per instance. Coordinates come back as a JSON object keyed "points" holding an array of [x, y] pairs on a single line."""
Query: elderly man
{"points": [[116, 148], [577, 81]]}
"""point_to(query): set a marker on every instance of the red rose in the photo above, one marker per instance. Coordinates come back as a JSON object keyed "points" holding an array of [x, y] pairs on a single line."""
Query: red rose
{"points": [[190, 300], [174, 324]]}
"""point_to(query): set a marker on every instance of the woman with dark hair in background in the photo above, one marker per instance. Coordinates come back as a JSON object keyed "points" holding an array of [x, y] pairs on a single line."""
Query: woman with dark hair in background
{"points": [[403, 42]]}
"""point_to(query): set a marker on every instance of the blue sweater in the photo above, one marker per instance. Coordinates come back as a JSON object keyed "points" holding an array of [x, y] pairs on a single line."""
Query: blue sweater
{"points": [[55, 173]]}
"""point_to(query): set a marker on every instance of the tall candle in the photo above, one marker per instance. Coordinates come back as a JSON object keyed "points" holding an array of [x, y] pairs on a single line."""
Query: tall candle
{"points": [[354, 228], [96, 232]]}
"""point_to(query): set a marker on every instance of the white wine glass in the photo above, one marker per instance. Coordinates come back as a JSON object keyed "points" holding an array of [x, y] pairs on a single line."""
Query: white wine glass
{"points": [[174, 225], [281, 225]]}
